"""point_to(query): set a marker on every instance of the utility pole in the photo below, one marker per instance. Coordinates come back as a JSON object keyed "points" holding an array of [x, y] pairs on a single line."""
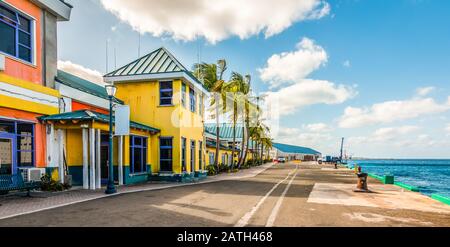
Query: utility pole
{"points": [[342, 149]]}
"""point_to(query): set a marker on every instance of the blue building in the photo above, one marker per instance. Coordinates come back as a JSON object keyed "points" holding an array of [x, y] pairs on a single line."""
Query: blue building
{"points": [[291, 152]]}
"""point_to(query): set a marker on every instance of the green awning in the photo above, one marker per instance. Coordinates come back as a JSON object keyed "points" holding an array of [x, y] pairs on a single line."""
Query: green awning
{"points": [[86, 115]]}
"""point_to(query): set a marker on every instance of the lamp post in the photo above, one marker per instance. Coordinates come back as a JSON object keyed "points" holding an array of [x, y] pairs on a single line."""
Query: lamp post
{"points": [[111, 91]]}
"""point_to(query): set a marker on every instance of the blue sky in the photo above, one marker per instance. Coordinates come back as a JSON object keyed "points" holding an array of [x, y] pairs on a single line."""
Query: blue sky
{"points": [[377, 52]]}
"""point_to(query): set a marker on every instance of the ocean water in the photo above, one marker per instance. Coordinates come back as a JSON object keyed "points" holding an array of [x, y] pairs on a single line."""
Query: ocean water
{"points": [[431, 176]]}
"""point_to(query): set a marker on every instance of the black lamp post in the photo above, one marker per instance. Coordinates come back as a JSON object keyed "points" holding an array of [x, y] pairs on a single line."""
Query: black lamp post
{"points": [[111, 91]]}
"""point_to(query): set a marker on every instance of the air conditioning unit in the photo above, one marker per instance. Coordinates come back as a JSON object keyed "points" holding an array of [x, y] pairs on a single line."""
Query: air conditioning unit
{"points": [[32, 174]]}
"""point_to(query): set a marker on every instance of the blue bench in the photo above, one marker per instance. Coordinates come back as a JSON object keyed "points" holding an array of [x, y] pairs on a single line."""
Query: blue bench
{"points": [[16, 183]]}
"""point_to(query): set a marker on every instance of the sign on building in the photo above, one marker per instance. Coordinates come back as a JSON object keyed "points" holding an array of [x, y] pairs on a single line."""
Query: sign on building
{"points": [[122, 118]]}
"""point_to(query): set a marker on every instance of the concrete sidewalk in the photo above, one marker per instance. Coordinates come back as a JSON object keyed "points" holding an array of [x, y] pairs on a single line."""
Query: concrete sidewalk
{"points": [[17, 204]]}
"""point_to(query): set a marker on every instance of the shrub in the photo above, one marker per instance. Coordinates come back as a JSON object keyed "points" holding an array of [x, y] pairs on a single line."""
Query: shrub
{"points": [[224, 168], [48, 184], [211, 170]]}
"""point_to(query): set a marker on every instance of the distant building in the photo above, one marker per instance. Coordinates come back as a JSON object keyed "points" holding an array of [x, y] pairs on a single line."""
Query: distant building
{"points": [[291, 152]]}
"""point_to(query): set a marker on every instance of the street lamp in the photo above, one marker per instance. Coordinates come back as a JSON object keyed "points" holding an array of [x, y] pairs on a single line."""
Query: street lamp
{"points": [[111, 91]]}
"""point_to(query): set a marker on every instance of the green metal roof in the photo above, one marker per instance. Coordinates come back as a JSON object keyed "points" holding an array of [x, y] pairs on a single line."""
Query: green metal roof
{"points": [[86, 115], [285, 148], [83, 85], [159, 61], [225, 130], [212, 144]]}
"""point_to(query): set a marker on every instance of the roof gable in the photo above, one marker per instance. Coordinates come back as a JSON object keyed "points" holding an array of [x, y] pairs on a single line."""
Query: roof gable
{"points": [[156, 62], [157, 65]]}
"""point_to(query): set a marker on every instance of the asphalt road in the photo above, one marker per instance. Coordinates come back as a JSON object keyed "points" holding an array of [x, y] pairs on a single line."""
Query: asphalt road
{"points": [[276, 197]]}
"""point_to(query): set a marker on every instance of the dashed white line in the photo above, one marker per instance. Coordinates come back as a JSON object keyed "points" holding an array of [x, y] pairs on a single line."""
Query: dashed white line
{"points": [[276, 209], [246, 218]]}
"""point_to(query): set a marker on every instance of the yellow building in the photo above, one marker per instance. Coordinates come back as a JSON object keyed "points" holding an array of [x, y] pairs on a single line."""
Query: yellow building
{"points": [[80, 140], [163, 94]]}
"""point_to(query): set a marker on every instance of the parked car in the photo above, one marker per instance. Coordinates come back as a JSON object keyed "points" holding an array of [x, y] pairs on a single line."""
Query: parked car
{"points": [[281, 160]]}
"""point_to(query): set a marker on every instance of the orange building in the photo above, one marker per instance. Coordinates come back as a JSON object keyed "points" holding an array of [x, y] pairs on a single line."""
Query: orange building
{"points": [[28, 66]]}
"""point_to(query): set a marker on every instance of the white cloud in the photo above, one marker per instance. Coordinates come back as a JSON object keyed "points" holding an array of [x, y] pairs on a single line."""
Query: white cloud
{"points": [[447, 128], [80, 71], [317, 127], [296, 136], [215, 21], [391, 111], [389, 136], [424, 91], [290, 67], [391, 133], [308, 92], [347, 64]]}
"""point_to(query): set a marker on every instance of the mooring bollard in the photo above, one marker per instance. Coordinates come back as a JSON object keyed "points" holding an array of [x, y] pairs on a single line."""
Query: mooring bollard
{"points": [[362, 181]]}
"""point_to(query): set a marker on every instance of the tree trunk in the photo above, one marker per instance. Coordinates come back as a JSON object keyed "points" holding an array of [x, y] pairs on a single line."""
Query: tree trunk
{"points": [[216, 159], [243, 153], [234, 135], [262, 152]]}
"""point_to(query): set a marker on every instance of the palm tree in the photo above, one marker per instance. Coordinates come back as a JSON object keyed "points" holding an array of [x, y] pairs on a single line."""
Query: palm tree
{"points": [[239, 88], [211, 75]]}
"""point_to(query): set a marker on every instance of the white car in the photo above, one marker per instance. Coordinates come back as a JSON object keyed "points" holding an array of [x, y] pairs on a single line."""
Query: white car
{"points": [[281, 160]]}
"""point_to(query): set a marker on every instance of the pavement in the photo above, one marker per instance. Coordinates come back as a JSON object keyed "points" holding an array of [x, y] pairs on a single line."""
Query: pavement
{"points": [[280, 195]]}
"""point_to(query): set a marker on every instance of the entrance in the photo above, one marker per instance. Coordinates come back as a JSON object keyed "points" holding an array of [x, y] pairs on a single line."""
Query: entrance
{"points": [[104, 157], [7, 154]]}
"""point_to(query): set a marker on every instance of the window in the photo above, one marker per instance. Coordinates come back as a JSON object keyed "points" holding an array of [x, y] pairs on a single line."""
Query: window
{"points": [[183, 94], [211, 158], [224, 159], [21, 135], [165, 154], [165, 93], [192, 156], [200, 155], [183, 154], [192, 99], [16, 33], [25, 150], [138, 154]]}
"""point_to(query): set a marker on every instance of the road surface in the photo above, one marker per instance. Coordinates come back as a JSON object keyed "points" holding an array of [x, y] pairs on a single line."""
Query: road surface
{"points": [[279, 196]]}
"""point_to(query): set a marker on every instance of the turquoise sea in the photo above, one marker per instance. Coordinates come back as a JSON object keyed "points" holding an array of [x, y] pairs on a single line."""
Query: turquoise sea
{"points": [[430, 175]]}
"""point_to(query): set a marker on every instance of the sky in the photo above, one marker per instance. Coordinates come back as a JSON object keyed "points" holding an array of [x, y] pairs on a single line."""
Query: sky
{"points": [[374, 72]]}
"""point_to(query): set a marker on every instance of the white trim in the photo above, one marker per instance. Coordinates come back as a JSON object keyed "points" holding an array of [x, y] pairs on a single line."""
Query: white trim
{"points": [[2, 62], [98, 174], [81, 96], [120, 168], [61, 10], [156, 77], [85, 159], [28, 95], [92, 183]]}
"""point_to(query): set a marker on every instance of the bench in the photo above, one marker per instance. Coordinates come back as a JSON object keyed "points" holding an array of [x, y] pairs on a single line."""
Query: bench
{"points": [[16, 183]]}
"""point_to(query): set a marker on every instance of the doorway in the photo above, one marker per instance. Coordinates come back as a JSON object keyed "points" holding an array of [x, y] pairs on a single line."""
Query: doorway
{"points": [[104, 158]]}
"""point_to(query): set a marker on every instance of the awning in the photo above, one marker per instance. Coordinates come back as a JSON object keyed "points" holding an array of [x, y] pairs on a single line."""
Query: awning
{"points": [[86, 115]]}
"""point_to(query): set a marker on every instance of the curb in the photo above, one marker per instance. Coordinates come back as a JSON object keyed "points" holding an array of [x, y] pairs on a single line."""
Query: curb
{"points": [[408, 187], [441, 198]]}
